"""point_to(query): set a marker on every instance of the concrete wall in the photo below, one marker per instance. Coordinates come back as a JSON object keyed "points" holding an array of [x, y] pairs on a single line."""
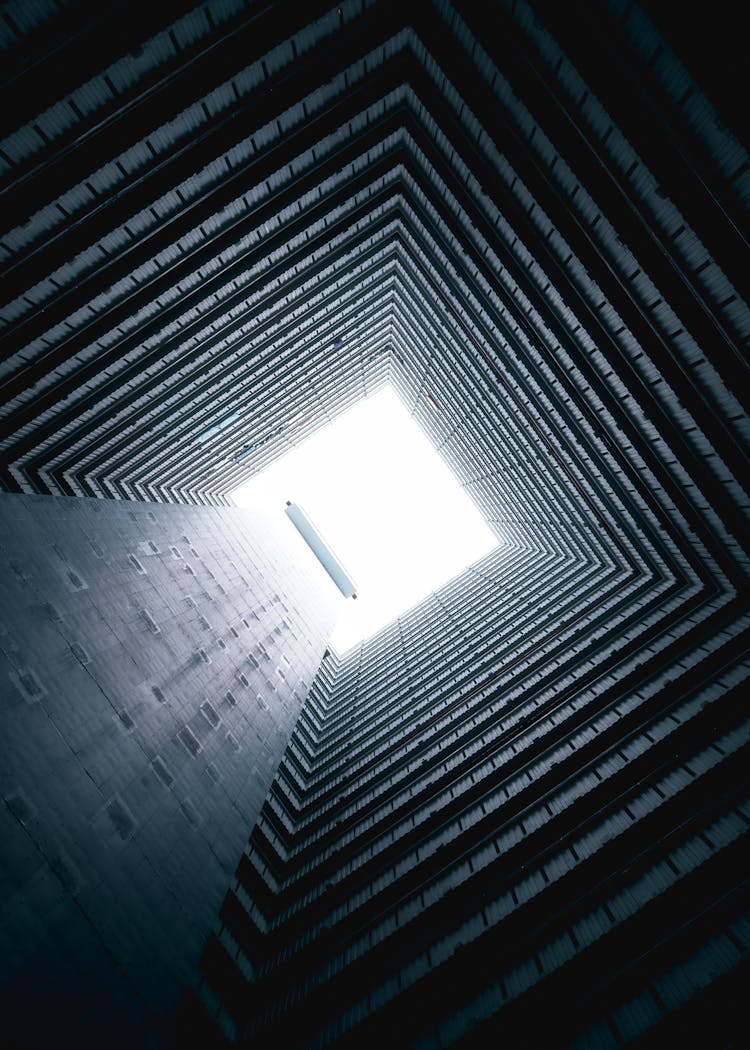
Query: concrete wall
{"points": [[153, 659]]}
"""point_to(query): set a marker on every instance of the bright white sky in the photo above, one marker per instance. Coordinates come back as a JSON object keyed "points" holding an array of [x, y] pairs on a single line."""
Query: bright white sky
{"points": [[385, 502]]}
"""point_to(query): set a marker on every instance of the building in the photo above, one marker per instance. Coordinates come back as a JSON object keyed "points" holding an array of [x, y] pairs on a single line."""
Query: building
{"points": [[155, 658], [520, 812]]}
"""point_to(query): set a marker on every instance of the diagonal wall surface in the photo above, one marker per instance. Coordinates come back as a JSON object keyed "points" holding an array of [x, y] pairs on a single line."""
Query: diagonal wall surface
{"points": [[154, 661], [224, 224]]}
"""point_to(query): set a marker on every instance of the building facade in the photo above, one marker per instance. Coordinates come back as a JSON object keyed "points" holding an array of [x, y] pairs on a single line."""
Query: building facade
{"points": [[519, 813], [155, 658], [494, 824]]}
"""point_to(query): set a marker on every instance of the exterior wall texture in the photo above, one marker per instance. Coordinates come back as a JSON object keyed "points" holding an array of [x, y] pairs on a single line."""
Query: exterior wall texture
{"points": [[518, 816], [154, 660], [484, 830]]}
